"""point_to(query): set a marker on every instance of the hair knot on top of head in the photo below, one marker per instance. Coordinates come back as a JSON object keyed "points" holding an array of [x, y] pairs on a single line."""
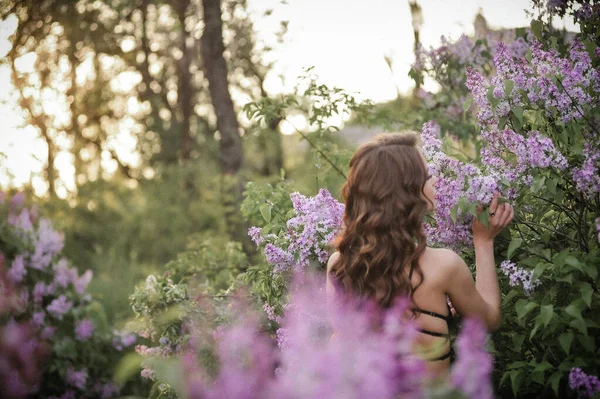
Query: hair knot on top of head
{"points": [[383, 236]]}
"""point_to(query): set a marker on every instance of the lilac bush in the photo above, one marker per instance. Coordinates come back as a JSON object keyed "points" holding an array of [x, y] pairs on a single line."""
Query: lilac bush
{"points": [[51, 309], [306, 235], [538, 139]]}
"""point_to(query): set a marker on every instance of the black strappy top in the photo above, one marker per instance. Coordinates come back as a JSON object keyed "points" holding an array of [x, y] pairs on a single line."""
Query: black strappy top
{"points": [[435, 333]]}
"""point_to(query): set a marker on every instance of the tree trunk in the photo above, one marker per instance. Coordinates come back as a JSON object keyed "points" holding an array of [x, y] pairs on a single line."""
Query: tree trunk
{"points": [[50, 172], [230, 145], [72, 94], [185, 89], [40, 121], [212, 48]]}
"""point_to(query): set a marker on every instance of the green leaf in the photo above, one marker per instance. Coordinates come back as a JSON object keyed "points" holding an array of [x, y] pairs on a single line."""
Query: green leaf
{"points": [[546, 313], [518, 341], [586, 293], [127, 367], [566, 279], [539, 269], [554, 381], [538, 376], [266, 230], [543, 366], [573, 261], [490, 95], [509, 85], [573, 311], [538, 183], [580, 325], [523, 307], [591, 270], [517, 124], [587, 342], [515, 243], [515, 380], [502, 122], [565, 340], [551, 185], [532, 261], [265, 211], [484, 217], [467, 104], [518, 112], [507, 298], [519, 364], [537, 27], [590, 47], [453, 213]]}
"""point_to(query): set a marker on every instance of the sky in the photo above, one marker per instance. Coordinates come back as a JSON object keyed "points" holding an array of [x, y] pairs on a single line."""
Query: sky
{"points": [[344, 40]]}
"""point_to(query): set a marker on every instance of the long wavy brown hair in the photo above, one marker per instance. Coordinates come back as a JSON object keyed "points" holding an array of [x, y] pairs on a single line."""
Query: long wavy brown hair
{"points": [[382, 238]]}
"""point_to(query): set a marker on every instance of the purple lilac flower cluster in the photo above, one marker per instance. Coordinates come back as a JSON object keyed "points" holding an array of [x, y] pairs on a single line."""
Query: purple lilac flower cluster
{"points": [[561, 87], [519, 277], [510, 158], [51, 298], [581, 10], [448, 64], [455, 180], [465, 52], [557, 84], [271, 313], [123, 339], [307, 234], [586, 385], [587, 177], [84, 330], [598, 228], [473, 367]]}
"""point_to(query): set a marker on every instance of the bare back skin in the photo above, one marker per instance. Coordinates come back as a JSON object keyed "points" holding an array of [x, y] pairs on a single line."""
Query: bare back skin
{"points": [[444, 273]]}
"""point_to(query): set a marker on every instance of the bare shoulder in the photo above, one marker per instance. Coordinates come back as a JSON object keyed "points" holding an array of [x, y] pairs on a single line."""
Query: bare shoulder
{"points": [[332, 260], [444, 259]]}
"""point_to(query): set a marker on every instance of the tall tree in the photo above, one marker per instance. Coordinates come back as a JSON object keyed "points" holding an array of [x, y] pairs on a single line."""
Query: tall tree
{"points": [[215, 67], [230, 146]]}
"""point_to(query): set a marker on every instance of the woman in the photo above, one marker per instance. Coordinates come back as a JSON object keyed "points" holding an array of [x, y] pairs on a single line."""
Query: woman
{"points": [[382, 250]]}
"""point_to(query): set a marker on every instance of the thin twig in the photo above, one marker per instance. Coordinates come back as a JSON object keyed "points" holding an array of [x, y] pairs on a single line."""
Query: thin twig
{"points": [[577, 107], [319, 151]]}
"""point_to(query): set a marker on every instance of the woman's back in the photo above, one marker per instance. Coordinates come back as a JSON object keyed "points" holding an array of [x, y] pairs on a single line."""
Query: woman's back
{"points": [[429, 298], [383, 249]]}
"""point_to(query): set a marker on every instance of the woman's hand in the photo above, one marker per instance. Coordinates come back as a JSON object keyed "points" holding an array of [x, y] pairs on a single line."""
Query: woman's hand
{"points": [[500, 216]]}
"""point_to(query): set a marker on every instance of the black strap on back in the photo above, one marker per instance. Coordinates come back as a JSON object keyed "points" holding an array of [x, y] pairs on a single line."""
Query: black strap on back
{"points": [[433, 314]]}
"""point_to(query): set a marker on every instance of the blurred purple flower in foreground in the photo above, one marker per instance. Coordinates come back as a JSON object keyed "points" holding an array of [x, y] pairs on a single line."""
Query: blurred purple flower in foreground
{"points": [[21, 360], [343, 350], [473, 367]]}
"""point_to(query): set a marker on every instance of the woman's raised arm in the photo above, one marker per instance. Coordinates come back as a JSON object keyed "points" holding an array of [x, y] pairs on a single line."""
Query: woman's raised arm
{"points": [[481, 298]]}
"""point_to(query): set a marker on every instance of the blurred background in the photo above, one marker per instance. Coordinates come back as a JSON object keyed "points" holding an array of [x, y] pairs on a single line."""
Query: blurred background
{"points": [[123, 118]]}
